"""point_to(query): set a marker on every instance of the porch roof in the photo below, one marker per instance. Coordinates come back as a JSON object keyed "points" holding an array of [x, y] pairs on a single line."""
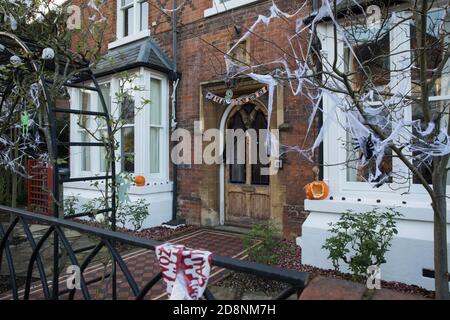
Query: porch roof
{"points": [[142, 53]]}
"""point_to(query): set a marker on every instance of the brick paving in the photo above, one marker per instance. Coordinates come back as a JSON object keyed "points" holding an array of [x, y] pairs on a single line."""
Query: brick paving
{"points": [[143, 265], [326, 288]]}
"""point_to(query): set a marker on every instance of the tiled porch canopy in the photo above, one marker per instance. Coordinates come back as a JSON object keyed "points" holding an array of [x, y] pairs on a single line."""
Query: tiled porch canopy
{"points": [[142, 53]]}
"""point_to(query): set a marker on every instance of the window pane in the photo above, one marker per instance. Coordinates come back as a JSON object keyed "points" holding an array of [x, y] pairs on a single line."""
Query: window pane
{"points": [[105, 89], [126, 2], [155, 98], [127, 110], [437, 43], [439, 110], [361, 157], [128, 21], [85, 153], [368, 57], [106, 92], [103, 159], [85, 106], [128, 149], [154, 149], [143, 15], [260, 123], [237, 168]]}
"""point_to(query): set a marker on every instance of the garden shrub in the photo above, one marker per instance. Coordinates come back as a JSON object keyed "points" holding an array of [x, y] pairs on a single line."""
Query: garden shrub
{"points": [[361, 240], [265, 252]]}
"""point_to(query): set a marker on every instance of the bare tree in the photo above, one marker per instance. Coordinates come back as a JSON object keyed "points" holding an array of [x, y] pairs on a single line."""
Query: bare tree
{"points": [[47, 56], [384, 69]]}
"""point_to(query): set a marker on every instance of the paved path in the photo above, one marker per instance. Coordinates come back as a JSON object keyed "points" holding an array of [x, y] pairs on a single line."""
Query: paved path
{"points": [[144, 266]]}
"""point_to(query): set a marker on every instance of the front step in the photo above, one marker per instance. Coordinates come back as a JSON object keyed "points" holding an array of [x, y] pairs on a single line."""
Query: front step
{"points": [[233, 229]]}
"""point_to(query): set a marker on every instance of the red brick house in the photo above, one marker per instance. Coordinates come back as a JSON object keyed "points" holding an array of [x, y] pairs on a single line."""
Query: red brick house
{"points": [[140, 39]]}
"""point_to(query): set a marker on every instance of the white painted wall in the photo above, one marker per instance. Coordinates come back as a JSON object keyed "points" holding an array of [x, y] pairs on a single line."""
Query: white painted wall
{"points": [[159, 195], [411, 251]]}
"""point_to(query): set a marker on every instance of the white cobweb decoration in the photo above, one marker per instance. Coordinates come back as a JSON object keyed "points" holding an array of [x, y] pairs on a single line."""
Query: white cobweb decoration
{"points": [[412, 136]]}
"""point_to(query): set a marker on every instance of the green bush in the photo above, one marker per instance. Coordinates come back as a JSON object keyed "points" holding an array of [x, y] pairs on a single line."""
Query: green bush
{"points": [[135, 212], [361, 239], [265, 252]]}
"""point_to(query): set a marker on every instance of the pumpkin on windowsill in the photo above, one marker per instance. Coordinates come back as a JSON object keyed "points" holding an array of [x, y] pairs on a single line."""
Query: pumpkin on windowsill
{"points": [[139, 181], [316, 190]]}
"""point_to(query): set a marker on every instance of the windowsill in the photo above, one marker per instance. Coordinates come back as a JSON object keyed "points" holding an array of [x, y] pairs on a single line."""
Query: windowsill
{"points": [[152, 187], [128, 39], [222, 7], [419, 211]]}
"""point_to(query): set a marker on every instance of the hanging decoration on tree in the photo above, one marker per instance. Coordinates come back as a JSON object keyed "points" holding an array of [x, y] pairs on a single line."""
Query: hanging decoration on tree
{"points": [[185, 271], [228, 99], [123, 186], [25, 122]]}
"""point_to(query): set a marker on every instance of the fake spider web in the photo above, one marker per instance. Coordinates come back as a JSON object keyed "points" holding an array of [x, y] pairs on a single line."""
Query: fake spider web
{"points": [[422, 141]]}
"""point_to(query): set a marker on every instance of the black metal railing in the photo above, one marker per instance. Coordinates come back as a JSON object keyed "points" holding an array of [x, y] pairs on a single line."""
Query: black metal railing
{"points": [[107, 240]]}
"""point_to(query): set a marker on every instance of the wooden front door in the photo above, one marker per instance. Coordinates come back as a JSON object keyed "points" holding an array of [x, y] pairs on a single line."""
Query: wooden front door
{"points": [[247, 196]]}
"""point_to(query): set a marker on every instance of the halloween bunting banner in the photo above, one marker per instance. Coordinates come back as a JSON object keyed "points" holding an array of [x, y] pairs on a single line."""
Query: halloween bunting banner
{"points": [[237, 101]]}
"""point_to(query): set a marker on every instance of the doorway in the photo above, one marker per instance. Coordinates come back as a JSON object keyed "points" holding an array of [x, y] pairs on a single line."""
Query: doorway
{"points": [[246, 190]]}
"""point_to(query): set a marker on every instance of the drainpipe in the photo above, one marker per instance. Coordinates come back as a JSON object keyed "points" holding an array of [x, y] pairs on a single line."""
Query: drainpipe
{"points": [[174, 117], [315, 8]]}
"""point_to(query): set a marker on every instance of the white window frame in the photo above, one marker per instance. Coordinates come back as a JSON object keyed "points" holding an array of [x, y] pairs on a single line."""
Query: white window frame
{"points": [[137, 34], [335, 153], [99, 108], [76, 135], [218, 6], [141, 127]]}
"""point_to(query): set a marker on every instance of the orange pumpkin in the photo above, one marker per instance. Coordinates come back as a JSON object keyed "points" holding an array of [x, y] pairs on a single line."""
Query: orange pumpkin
{"points": [[316, 190], [139, 181]]}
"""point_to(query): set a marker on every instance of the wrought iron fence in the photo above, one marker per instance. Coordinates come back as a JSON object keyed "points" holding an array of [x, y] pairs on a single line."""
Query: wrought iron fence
{"points": [[55, 234]]}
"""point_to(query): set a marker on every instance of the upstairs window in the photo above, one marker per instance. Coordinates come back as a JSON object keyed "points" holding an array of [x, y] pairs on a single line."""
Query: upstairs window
{"points": [[132, 17]]}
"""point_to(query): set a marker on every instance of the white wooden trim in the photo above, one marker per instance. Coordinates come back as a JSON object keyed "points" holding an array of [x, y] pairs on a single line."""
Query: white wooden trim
{"points": [[218, 7]]}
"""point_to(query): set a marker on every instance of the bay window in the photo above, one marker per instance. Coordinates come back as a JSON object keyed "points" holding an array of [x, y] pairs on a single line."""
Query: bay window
{"points": [[381, 63], [142, 135]]}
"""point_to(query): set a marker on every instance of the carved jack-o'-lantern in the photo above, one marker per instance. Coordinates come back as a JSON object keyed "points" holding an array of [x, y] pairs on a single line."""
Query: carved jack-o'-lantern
{"points": [[316, 190], [139, 181]]}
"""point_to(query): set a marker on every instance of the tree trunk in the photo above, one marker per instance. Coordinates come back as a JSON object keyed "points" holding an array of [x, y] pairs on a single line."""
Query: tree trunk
{"points": [[441, 274]]}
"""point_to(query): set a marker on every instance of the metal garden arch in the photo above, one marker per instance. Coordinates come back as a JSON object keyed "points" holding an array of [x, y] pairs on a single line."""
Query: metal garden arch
{"points": [[6, 39]]}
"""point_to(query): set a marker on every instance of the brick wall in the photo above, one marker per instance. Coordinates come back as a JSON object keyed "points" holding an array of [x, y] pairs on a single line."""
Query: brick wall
{"points": [[201, 44]]}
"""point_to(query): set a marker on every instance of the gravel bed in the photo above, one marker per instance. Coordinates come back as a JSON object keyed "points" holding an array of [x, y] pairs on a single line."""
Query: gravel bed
{"points": [[289, 258], [156, 233]]}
